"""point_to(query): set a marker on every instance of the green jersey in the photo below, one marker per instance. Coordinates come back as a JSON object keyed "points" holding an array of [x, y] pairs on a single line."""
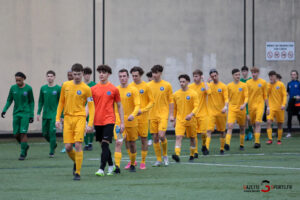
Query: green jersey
{"points": [[245, 80], [23, 101], [91, 84], [48, 101]]}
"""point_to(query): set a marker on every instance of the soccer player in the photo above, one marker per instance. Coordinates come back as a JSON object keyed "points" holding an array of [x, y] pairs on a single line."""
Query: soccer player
{"points": [[163, 107], [217, 103], [293, 90], [146, 103], [201, 87], [48, 101], [238, 99], [22, 96], [130, 100], [186, 106], [74, 96], [257, 98], [105, 95], [249, 128], [149, 76], [277, 100], [89, 137]]}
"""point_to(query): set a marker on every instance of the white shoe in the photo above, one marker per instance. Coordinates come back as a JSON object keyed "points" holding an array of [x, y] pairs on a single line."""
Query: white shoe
{"points": [[166, 160], [288, 135], [149, 142], [157, 164], [100, 172], [110, 170]]}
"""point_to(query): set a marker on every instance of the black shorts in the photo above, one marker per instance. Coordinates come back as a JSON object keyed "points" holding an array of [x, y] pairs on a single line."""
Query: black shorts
{"points": [[105, 132]]}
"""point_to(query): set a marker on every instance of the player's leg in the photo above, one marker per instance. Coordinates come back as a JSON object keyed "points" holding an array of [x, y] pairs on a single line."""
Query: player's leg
{"points": [[280, 120], [52, 137], [156, 145], [191, 132], [68, 138], [242, 121], [24, 124], [143, 133], [210, 129], [91, 140], [256, 119], [196, 138], [149, 136], [16, 129], [162, 128], [118, 152], [131, 138], [179, 133], [270, 119], [232, 116], [221, 127], [45, 129], [202, 131]]}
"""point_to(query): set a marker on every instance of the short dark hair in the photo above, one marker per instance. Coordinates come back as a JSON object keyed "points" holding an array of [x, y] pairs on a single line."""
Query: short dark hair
{"points": [[245, 68], [104, 68], [157, 68], [198, 71], [124, 70], [77, 67], [272, 73], [279, 76], [295, 72], [255, 69], [185, 76], [20, 74], [87, 70], [235, 71], [149, 74], [213, 71], [137, 69], [50, 72]]}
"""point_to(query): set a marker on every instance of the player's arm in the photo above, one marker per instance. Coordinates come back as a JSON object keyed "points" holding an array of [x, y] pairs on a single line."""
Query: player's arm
{"points": [[196, 108], [31, 105], [284, 95], [151, 101], [60, 107], [121, 115], [266, 91], [136, 99], [225, 94], [246, 96], [40, 105], [8, 103], [173, 116], [91, 111]]}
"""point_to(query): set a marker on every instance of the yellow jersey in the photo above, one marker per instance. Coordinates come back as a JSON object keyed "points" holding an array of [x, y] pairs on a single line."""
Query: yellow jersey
{"points": [[72, 101], [162, 94], [277, 95], [185, 102], [217, 97], [257, 91], [237, 95], [202, 95]]}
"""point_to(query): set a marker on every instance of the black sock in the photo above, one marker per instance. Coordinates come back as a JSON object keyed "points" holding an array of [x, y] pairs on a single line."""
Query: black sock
{"points": [[104, 155], [110, 161]]}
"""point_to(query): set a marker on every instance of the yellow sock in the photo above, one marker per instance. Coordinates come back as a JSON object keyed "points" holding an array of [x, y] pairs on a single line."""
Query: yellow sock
{"points": [[269, 132], [132, 158], [144, 154], [280, 134], [257, 137], [242, 139], [196, 144], [72, 154], [78, 161], [157, 151], [164, 145], [177, 151], [203, 138], [222, 141], [192, 151], [128, 151], [228, 138], [207, 142], [118, 157]]}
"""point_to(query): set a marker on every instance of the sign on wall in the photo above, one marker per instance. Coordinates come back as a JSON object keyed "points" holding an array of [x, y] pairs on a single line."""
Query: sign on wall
{"points": [[282, 51]]}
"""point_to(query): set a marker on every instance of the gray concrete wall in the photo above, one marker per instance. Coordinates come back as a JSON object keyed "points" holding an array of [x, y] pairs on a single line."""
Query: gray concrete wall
{"points": [[182, 35]]}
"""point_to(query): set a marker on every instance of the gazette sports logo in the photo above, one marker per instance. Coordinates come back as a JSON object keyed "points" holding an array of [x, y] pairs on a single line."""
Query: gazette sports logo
{"points": [[265, 187]]}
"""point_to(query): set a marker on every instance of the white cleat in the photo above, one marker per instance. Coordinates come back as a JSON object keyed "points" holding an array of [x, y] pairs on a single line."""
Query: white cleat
{"points": [[288, 135], [166, 160], [149, 142], [157, 164], [110, 170], [100, 172]]}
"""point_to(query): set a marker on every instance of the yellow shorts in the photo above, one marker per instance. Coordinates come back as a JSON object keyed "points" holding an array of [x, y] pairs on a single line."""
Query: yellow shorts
{"points": [[201, 124], [237, 116], [217, 120], [157, 125], [129, 133], [256, 113], [143, 129], [278, 114], [74, 128], [190, 130]]}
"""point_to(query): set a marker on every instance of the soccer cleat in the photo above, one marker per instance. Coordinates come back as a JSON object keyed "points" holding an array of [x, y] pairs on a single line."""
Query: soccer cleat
{"points": [[166, 160], [76, 177], [86, 148], [51, 155], [196, 155], [149, 142], [128, 165], [90, 147], [203, 148], [100, 172], [205, 151], [176, 158], [132, 168], [288, 135], [117, 170], [157, 164], [227, 147], [242, 148], [221, 152], [269, 142], [278, 142], [74, 169], [256, 146], [191, 159], [142, 166], [110, 170], [63, 150], [22, 157]]}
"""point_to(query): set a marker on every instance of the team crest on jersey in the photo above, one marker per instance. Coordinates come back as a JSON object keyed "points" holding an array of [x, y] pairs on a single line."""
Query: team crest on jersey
{"points": [[162, 88], [25, 93], [259, 85], [277, 88], [240, 89], [219, 90], [203, 89], [188, 97], [296, 86], [128, 94], [79, 92], [108, 93], [54, 92], [142, 91]]}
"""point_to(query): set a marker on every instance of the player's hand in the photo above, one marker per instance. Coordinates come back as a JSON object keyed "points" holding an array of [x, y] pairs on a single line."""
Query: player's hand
{"points": [[57, 125], [31, 120], [209, 79], [3, 114], [174, 124], [268, 110], [130, 118], [189, 117], [172, 118], [224, 110], [89, 129], [139, 113], [38, 117], [242, 107], [282, 107], [202, 78], [62, 120], [122, 127]]}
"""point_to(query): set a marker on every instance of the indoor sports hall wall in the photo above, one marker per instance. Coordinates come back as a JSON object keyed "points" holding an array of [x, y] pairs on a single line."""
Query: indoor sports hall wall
{"points": [[182, 35]]}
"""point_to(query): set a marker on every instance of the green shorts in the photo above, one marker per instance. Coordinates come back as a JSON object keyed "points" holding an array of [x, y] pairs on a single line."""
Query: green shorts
{"points": [[48, 126], [20, 124]]}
